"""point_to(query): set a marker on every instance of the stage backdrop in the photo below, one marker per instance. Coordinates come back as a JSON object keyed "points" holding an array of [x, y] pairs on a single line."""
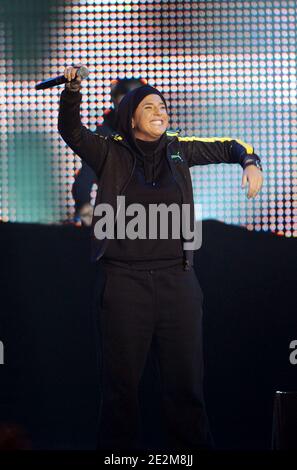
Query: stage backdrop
{"points": [[227, 69]]}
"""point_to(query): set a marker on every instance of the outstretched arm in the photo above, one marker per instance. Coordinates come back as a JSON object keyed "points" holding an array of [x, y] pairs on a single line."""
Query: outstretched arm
{"points": [[203, 151], [89, 146]]}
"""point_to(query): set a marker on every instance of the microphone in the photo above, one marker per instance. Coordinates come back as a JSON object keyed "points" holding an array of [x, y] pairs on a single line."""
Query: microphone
{"points": [[82, 72]]}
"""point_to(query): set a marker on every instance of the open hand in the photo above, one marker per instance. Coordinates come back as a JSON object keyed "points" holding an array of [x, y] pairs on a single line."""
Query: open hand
{"points": [[254, 177]]}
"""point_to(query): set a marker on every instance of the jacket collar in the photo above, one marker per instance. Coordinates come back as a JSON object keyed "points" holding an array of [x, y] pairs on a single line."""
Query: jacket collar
{"points": [[171, 136]]}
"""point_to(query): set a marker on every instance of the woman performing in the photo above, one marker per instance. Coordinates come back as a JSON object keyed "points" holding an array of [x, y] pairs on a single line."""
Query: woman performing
{"points": [[150, 297]]}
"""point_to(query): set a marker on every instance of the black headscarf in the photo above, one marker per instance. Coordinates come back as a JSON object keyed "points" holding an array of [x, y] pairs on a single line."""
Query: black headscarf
{"points": [[127, 107], [125, 112]]}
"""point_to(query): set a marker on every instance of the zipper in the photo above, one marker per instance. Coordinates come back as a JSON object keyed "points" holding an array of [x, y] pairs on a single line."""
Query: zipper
{"points": [[130, 176], [121, 192], [186, 262], [154, 161]]}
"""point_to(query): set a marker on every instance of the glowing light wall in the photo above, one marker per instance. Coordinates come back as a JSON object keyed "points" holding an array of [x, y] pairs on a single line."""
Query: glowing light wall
{"points": [[227, 69]]}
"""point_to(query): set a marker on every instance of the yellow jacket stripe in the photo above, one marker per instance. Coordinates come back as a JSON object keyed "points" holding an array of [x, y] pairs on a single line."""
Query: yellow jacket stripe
{"points": [[249, 148]]}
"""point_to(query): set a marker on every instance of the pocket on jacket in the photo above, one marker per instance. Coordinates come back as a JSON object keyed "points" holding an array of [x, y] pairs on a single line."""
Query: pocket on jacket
{"points": [[198, 284], [105, 288], [200, 289]]}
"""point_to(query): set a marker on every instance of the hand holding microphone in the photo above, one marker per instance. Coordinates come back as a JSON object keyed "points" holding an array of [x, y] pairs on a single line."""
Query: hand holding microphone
{"points": [[73, 76]]}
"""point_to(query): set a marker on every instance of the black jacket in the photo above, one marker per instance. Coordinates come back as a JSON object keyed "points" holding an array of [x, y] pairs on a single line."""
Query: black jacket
{"points": [[113, 160]]}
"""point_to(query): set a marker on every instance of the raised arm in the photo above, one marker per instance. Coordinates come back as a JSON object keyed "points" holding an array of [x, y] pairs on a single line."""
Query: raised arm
{"points": [[89, 146], [203, 151]]}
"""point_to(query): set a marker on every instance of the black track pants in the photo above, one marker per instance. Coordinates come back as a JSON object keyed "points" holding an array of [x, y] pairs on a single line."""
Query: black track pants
{"points": [[135, 309]]}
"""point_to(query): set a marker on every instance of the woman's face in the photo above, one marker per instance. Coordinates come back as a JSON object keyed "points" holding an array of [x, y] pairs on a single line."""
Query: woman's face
{"points": [[150, 119]]}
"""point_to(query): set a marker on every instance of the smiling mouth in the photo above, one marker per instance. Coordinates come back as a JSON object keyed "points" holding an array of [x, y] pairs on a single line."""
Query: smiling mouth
{"points": [[157, 121]]}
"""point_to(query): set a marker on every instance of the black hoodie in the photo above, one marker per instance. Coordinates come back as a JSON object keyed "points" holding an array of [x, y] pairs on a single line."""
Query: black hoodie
{"points": [[112, 160], [152, 182]]}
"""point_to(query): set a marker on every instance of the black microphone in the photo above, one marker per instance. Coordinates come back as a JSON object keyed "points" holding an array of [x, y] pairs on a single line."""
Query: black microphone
{"points": [[82, 72]]}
